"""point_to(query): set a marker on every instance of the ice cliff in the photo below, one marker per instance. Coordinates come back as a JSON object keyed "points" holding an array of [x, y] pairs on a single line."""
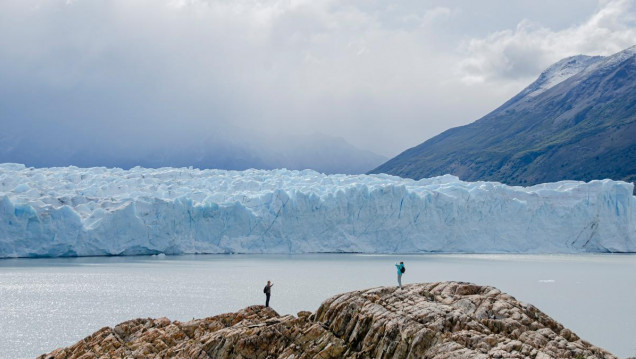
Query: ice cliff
{"points": [[98, 211]]}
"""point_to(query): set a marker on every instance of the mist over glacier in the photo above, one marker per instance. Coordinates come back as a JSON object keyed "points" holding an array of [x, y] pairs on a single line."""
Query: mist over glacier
{"points": [[70, 211]]}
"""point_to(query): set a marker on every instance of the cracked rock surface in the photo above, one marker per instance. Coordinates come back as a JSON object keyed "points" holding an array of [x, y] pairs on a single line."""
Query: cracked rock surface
{"points": [[426, 320]]}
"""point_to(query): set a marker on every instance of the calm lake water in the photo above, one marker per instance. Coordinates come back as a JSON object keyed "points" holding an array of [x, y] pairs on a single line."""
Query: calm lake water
{"points": [[49, 303]]}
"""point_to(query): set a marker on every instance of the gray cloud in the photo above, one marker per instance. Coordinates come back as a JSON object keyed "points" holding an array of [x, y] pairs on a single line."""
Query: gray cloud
{"points": [[382, 75], [522, 52]]}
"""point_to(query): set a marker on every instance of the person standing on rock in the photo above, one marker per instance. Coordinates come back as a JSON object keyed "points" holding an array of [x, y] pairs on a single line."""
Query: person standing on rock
{"points": [[268, 292], [400, 269]]}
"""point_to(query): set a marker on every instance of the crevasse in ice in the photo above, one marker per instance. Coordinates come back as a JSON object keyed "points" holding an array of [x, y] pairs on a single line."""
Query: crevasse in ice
{"points": [[73, 211]]}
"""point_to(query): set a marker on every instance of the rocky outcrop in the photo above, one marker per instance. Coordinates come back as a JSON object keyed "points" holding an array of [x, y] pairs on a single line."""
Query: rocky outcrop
{"points": [[429, 320]]}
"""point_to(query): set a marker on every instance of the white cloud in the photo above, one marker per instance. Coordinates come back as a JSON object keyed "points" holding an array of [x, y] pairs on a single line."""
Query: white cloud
{"points": [[436, 13], [429, 17], [521, 53], [378, 73]]}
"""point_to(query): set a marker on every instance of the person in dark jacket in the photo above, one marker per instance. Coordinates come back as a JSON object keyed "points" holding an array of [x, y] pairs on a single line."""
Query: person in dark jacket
{"points": [[268, 292], [399, 272]]}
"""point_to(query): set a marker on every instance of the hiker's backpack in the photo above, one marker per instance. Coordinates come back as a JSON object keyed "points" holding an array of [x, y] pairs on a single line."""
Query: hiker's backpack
{"points": [[403, 269], [265, 290]]}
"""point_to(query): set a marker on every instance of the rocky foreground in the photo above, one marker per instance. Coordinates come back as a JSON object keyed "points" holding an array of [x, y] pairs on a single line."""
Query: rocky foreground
{"points": [[428, 320]]}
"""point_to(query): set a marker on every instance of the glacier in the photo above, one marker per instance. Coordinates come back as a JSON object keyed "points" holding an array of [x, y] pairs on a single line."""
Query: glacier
{"points": [[70, 211]]}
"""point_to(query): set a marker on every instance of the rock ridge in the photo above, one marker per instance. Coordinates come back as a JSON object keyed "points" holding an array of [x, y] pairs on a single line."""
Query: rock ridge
{"points": [[424, 320]]}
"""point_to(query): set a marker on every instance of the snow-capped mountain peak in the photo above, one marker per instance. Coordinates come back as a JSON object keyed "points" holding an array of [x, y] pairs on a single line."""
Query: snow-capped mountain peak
{"points": [[560, 72], [574, 65], [609, 62], [576, 121]]}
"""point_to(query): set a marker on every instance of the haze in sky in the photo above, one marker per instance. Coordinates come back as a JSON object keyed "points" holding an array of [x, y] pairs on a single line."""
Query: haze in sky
{"points": [[383, 75]]}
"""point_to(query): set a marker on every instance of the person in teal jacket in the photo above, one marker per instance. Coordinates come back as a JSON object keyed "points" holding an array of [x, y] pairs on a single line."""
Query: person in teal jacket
{"points": [[400, 270]]}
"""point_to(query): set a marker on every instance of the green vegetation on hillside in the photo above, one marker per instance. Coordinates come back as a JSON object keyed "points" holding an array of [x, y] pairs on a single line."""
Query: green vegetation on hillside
{"points": [[581, 129]]}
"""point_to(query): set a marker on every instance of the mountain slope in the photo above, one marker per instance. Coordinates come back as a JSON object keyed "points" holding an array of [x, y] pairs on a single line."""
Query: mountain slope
{"points": [[577, 121]]}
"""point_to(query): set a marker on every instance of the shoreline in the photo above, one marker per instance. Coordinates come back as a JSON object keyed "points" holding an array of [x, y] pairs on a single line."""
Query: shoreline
{"points": [[330, 253]]}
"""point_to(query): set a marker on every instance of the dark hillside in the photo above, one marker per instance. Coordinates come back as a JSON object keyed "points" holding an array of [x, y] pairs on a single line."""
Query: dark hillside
{"points": [[581, 128]]}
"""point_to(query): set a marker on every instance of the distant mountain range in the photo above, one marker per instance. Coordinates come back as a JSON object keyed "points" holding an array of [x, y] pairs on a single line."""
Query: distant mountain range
{"points": [[577, 121], [226, 147]]}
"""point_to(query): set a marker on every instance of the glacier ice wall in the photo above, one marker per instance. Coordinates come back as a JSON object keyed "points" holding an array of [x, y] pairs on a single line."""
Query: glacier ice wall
{"points": [[98, 211]]}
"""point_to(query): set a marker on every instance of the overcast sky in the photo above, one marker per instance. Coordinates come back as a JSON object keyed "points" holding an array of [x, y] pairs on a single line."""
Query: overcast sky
{"points": [[384, 75]]}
